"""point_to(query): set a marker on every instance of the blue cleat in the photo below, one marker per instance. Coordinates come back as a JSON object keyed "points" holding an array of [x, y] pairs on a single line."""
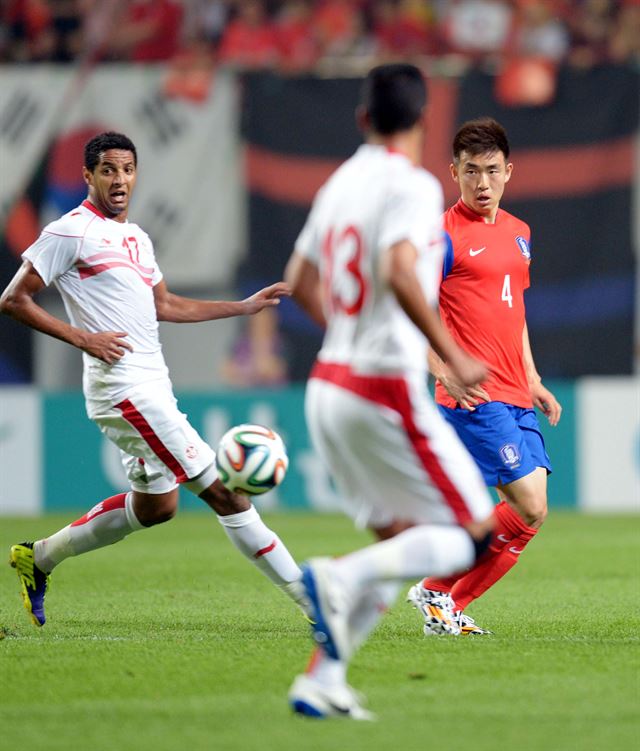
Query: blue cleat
{"points": [[315, 700], [33, 581], [330, 607]]}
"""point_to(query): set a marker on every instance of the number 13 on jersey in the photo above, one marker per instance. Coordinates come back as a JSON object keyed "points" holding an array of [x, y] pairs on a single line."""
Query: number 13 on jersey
{"points": [[344, 283]]}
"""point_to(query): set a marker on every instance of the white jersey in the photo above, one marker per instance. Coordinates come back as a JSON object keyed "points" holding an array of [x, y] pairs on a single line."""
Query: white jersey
{"points": [[105, 272], [375, 199]]}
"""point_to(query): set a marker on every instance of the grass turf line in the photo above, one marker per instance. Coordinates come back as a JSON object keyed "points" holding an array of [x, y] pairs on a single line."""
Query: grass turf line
{"points": [[170, 640]]}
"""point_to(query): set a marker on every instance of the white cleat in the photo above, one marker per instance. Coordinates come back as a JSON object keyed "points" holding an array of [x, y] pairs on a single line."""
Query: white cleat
{"points": [[437, 611], [468, 627], [330, 608], [312, 699]]}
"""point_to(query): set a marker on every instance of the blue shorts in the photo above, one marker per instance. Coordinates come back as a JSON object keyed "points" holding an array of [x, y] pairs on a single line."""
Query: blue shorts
{"points": [[505, 441]]}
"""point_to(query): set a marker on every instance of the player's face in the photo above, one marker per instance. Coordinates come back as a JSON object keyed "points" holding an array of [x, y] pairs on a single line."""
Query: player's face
{"points": [[111, 183], [482, 178]]}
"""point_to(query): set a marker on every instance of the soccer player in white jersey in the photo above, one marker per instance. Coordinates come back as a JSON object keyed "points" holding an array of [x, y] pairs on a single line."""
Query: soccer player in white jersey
{"points": [[114, 294], [367, 266]]}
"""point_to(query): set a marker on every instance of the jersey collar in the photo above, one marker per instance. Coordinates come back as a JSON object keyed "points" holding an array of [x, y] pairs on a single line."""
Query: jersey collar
{"points": [[462, 208], [88, 205]]}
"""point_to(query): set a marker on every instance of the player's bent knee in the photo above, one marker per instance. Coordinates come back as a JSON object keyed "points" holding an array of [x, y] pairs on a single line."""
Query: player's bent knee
{"points": [[534, 513], [164, 512], [155, 509], [198, 485], [161, 516]]}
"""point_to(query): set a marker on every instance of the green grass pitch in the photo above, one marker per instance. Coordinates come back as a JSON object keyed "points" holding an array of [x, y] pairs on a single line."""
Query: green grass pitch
{"points": [[170, 641]]}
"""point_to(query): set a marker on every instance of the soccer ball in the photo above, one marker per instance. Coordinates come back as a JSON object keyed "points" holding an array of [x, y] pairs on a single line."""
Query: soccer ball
{"points": [[251, 459]]}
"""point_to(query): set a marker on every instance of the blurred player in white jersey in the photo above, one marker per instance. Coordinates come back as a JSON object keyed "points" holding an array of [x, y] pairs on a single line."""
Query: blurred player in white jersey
{"points": [[114, 294], [367, 267]]}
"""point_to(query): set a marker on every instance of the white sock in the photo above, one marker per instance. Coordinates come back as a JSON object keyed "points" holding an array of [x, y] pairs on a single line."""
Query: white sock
{"points": [[264, 549], [425, 550], [109, 521], [373, 604], [326, 670], [368, 610]]}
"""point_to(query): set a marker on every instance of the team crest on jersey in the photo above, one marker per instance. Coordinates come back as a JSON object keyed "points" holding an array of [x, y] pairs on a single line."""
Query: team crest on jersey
{"points": [[524, 247], [510, 455]]}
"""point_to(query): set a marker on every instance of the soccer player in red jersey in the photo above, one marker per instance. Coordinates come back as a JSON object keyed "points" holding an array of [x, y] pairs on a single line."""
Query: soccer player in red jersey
{"points": [[485, 274]]}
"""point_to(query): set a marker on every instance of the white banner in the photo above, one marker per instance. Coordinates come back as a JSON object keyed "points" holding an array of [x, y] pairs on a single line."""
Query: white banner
{"points": [[20, 451], [189, 196], [608, 436]]}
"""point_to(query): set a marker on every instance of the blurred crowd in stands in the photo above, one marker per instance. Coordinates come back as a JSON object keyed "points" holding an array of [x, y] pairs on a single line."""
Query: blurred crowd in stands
{"points": [[524, 42], [305, 35]]}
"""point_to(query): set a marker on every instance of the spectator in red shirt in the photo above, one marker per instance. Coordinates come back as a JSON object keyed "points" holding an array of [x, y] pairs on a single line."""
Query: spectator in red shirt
{"points": [[297, 39], [250, 40], [148, 31], [400, 31], [27, 30], [334, 21]]}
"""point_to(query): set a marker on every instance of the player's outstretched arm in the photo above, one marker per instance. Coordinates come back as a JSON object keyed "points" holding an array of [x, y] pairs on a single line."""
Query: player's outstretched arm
{"points": [[542, 398], [304, 279], [398, 270], [18, 302], [178, 309]]}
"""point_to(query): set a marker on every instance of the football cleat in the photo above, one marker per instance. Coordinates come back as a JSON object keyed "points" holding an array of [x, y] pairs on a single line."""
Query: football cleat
{"points": [[312, 699], [468, 627], [437, 610], [33, 581], [330, 607], [295, 590]]}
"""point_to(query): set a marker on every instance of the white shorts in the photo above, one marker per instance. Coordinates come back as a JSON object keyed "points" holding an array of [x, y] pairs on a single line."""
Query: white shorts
{"points": [[159, 448], [391, 453]]}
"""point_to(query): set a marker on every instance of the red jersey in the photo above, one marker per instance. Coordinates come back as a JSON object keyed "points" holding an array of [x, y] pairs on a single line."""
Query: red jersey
{"points": [[482, 298]]}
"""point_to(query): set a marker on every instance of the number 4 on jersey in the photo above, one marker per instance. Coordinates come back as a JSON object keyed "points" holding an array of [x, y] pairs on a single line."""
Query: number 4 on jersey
{"points": [[506, 290]]}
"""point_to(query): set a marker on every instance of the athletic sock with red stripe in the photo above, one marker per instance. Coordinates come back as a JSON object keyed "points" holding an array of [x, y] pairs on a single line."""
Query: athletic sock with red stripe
{"points": [[107, 522], [263, 548]]}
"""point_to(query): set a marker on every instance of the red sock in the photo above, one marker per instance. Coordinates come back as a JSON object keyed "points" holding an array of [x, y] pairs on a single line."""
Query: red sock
{"points": [[446, 583], [509, 540], [440, 585]]}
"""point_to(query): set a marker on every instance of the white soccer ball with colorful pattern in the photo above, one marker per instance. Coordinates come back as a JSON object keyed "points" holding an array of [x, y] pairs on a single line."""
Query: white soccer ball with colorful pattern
{"points": [[251, 459]]}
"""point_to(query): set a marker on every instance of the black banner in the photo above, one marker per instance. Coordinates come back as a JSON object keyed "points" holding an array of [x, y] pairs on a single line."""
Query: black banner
{"points": [[573, 178]]}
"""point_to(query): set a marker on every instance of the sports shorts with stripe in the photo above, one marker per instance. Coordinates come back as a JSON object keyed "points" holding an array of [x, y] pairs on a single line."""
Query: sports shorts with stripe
{"points": [[159, 447], [390, 452]]}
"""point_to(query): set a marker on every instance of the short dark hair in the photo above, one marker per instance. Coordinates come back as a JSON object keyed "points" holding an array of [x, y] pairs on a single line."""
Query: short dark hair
{"points": [[394, 97], [481, 136], [104, 141]]}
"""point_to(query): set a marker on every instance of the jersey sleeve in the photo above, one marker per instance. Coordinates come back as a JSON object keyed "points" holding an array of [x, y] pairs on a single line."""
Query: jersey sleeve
{"points": [[447, 263], [52, 254], [524, 243], [413, 212]]}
